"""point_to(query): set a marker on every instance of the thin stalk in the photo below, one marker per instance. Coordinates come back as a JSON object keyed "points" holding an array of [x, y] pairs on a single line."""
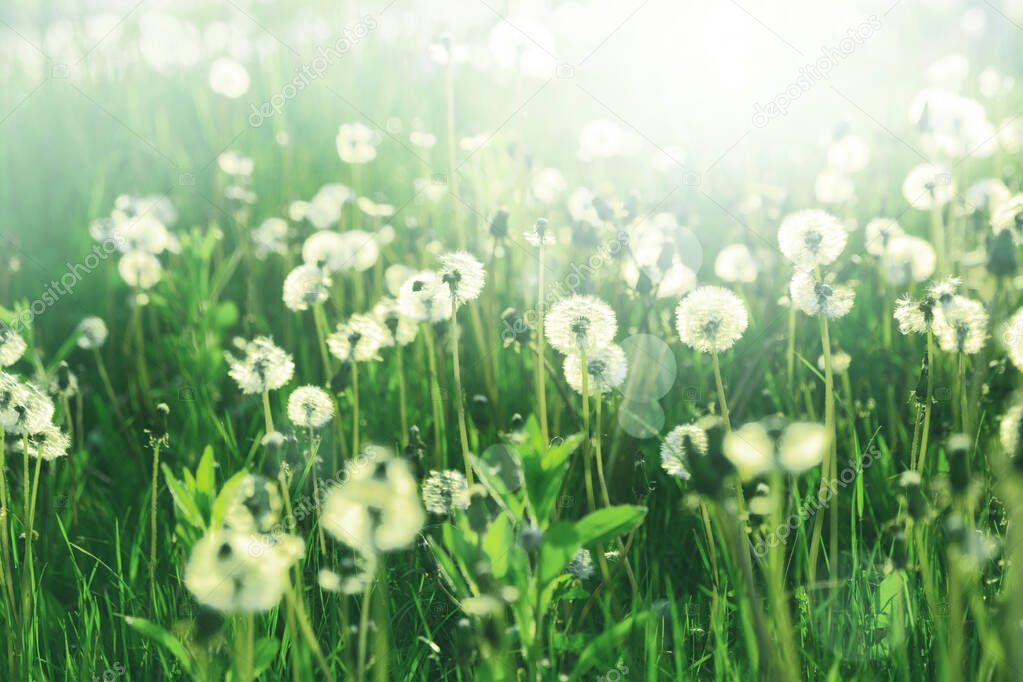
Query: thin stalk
{"points": [[320, 322], [926, 429], [267, 416], [152, 526], [245, 647], [313, 447], [363, 631], [541, 387], [355, 408], [438, 414], [790, 355], [463, 433], [306, 630], [723, 403], [140, 353], [5, 540], [776, 584], [399, 352]]}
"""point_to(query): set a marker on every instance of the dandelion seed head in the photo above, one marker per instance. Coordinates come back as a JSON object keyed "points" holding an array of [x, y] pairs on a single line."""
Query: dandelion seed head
{"points": [[356, 143], [1009, 216], [819, 298], [541, 234], [908, 259], [680, 446], [305, 286], [577, 322], [463, 274], [140, 269], [735, 263], [944, 291], [928, 186], [444, 492], [1012, 336], [310, 407], [424, 297], [750, 449], [270, 237], [24, 409], [606, 370], [581, 565], [802, 446], [328, 580], [879, 232], [914, 316], [92, 333], [401, 328], [12, 346], [48, 443], [840, 361], [228, 78], [359, 339], [263, 367], [963, 326], [711, 319], [235, 572], [255, 505], [1010, 430], [811, 237], [377, 508]]}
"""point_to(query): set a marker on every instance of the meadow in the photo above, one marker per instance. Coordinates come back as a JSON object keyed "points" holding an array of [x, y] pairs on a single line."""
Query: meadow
{"points": [[520, 340]]}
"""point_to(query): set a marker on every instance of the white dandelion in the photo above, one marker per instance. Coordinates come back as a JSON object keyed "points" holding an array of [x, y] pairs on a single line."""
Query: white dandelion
{"points": [[879, 232], [818, 297], [356, 143], [425, 298], [359, 339], [581, 565], [735, 263], [680, 446], [463, 274], [12, 346], [711, 319], [811, 237], [92, 333], [140, 269], [606, 368], [444, 492], [908, 259], [264, 366], [928, 186], [963, 327], [580, 323], [310, 407], [306, 285]]}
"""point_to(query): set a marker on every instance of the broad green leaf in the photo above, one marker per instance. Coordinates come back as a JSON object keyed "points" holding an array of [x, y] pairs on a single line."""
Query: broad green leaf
{"points": [[205, 476], [182, 500], [607, 646], [163, 638], [544, 469], [563, 539], [498, 543], [224, 498], [266, 650]]}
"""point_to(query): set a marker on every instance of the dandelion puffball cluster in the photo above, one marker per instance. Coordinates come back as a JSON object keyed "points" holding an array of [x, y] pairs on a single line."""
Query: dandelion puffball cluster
{"points": [[263, 366], [583, 329], [711, 319]]}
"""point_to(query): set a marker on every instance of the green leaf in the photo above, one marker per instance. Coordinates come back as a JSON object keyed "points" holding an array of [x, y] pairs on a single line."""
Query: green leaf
{"points": [[224, 498], [498, 542], [266, 651], [544, 469], [164, 639], [205, 476], [563, 539], [182, 500], [607, 646]]}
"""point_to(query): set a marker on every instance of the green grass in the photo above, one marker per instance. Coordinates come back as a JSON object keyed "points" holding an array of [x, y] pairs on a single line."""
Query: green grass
{"points": [[678, 601]]}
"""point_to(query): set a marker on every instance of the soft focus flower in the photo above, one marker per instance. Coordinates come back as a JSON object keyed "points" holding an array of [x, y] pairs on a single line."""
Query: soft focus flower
{"points": [[24, 409], [711, 319], [819, 298], [270, 237], [963, 327], [359, 339], [986, 195], [310, 407], [840, 361], [140, 269], [548, 184], [377, 508], [1012, 336], [680, 446], [758, 448], [915, 316], [255, 506], [228, 78], [606, 369], [141, 233], [928, 186], [304, 286], [581, 565], [425, 298], [811, 237], [541, 234], [1011, 430], [402, 329], [12, 346], [47, 443], [879, 233], [444, 492], [264, 367], [356, 143], [236, 572], [908, 259], [735, 263], [1009, 216], [580, 322], [336, 252], [463, 274], [832, 187], [848, 154], [92, 333]]}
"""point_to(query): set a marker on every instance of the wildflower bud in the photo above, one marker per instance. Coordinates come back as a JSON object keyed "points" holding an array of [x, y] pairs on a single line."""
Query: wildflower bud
{"points": [[479, 408], [1001, 254], [916, 503], [477, 511], [530, 539], [920, 392], [64, 378], [517, 422], [900, 554], [415, 451], [499, 225], [957, 450]]}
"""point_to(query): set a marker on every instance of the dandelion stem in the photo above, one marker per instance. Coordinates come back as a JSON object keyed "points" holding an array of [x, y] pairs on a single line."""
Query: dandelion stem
{"points": [[723, 403], [152, 526], [790, 356], [541, 386], [789, 659], [463, 433], [926, 429], [306, 631], [5, 540], [355, 408], [364, 631], [399, 353], [438, 414], [267, 416]]}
